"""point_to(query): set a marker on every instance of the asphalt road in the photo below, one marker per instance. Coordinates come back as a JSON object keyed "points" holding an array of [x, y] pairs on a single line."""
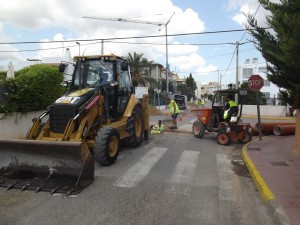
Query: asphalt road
{"points": [[175, 179]]}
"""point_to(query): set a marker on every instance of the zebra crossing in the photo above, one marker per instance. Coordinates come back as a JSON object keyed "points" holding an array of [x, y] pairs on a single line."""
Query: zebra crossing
{"points": [[139, 170], [182, 172]]}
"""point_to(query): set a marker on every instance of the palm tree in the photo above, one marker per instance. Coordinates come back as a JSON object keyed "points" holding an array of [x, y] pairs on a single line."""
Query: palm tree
{"points": [[137, 64]]}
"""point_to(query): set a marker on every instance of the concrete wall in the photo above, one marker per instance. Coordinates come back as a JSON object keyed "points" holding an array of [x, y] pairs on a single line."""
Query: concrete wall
{"points": [[16, 125], [265, 110]]}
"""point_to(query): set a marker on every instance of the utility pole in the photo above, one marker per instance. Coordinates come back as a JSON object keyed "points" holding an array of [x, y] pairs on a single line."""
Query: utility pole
{"points": [[237, 66], [218, 79]]}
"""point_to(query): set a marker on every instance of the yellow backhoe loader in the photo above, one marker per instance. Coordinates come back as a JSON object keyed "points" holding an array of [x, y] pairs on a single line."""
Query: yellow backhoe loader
{"points": [[97, 115]]}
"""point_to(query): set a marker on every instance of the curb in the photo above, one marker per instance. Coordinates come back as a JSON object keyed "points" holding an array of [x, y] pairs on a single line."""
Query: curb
{"points": [[273, 206]]}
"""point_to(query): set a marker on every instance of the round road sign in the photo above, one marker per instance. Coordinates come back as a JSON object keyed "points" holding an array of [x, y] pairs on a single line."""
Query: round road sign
{"points": [[255, 82]]}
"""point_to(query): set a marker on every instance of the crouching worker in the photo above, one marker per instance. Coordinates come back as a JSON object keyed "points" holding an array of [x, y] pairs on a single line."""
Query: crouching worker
{"points": [[157, 128]]}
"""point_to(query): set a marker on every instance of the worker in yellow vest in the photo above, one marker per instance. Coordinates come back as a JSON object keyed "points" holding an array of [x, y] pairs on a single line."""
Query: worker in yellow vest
{"points": [[174, 111], [157, 128], [202, 102], [197, 103], [231, 107]]}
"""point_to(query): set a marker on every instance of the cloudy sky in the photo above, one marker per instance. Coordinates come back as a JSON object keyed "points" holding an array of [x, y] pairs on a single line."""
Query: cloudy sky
{"points": [[35, 29]]}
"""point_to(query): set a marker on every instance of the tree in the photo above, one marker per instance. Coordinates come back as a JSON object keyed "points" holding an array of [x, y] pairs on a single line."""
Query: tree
{"points": [[287, 98], [190, 82], [138, 64], [280, 46], [250, 98]]}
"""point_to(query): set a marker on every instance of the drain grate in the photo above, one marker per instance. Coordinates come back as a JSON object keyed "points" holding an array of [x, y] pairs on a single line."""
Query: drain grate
{"points": [[254, 149], [279, 163]]}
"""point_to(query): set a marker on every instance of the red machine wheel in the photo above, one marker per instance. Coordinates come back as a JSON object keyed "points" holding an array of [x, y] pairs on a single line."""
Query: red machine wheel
{"points": [[223, 138], [198, 129], [246, 138]]}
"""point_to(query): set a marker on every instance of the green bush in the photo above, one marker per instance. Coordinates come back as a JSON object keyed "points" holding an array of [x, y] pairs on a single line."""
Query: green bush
{"points": [[34, 88]]}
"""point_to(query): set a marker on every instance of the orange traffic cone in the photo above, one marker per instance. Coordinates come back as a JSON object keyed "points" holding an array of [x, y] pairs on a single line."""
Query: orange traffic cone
{"points": [[180, 118]]}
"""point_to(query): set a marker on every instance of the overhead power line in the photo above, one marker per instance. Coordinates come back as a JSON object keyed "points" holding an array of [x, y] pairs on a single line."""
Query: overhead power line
{"points": [[124, 38], [120, 42]]}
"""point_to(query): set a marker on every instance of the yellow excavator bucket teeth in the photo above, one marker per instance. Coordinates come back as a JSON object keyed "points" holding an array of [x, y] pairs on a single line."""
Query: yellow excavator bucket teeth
{"points": [[52, 166]]}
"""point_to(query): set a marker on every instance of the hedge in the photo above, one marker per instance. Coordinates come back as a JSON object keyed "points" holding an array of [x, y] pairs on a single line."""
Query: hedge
{"points": [[33, 89]]}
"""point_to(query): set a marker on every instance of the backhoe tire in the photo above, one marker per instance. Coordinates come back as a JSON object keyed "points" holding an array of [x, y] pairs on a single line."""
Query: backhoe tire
{"points": [[107, 146], [198, 129], [135, 129]]}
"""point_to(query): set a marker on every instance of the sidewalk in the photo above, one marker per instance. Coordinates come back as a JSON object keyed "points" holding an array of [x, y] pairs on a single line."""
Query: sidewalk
{"points": [[275, 169]]}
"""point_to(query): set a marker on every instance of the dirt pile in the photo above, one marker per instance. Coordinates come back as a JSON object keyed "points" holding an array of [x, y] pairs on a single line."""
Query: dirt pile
{"points": [[153, 111]]}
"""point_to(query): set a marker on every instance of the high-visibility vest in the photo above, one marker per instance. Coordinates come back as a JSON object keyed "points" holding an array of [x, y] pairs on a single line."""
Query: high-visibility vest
{"points": [[172, 103], [225, 114], [157, 127], [232, 103], [202, 102]]}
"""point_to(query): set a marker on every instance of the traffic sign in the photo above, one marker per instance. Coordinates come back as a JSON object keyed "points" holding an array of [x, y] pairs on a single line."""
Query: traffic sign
{"points": [[255, 82]]}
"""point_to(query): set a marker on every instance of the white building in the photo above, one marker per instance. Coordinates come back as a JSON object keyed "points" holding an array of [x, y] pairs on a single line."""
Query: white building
{"points": [[249, 68], [198, 91]]}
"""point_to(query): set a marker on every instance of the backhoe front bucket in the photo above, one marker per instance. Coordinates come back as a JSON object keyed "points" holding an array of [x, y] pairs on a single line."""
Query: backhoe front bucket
{"points": [[52, 166]]}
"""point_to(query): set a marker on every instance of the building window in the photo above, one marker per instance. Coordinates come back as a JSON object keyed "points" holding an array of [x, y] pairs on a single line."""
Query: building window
{"points": [[247, 72], [267, 83], [262, 70], [267, 94]]}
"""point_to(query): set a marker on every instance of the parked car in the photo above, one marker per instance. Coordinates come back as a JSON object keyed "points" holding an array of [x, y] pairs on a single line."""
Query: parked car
{"points": [[181, 101]]}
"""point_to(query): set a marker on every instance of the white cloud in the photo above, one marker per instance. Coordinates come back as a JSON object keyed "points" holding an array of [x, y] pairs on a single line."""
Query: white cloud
{"points": [[248, 7], [6, 50], [45, 17], [240, 17], [193, 63]]}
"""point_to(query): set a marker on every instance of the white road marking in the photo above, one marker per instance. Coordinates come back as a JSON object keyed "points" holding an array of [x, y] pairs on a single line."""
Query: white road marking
{"points": [[139, 170], [226, 178], [185, 167]]}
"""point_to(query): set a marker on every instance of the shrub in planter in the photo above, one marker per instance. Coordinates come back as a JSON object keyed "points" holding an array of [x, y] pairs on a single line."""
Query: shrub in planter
{"points": [[34, 88]]}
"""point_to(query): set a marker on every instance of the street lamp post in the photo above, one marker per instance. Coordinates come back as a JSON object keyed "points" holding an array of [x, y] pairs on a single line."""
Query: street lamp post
{"points": [[167, 63], [79, 47]]}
